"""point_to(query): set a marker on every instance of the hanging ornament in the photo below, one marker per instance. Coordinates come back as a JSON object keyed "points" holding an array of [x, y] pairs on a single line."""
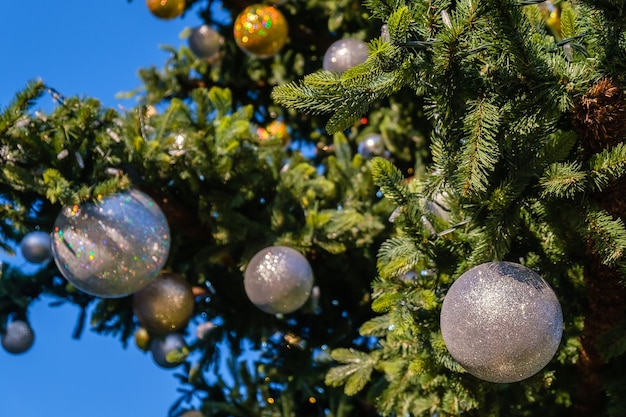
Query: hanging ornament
{"points": [[192, 413], [166, 9], [373, 145], [113, 247], [142, 339], [18, 338], [36, 247], [162, 347], [204, 41], [501, 321], [165, 305], [345, 54], [278, 279], [260, 30], [276, 130]]}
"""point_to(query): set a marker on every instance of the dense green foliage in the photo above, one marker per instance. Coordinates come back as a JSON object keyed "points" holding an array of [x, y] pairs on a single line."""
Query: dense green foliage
{"points": [[504, 127]]}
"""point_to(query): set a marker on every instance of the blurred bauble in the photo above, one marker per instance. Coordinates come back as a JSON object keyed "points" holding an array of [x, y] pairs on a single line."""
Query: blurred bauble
{"points": [[276, 130], [260, 30], [166, 9], [18, 338], [345, 54], [192, 413], [113, 247], [204, 41], [165, 305], [36, 247], [278, 279], [373, 145], [142, 339], [501, 321], [160, 347]]}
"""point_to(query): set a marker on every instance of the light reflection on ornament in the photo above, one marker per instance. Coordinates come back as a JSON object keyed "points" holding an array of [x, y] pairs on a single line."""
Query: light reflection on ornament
{"points": [[345, 54], [260, 30]]}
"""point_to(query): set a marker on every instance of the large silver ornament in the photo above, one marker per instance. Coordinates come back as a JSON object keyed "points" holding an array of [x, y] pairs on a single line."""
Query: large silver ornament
{"points": [[36, 247], [18, 338], [114, 247], [345, 54], [278, 279], [501, 321]]}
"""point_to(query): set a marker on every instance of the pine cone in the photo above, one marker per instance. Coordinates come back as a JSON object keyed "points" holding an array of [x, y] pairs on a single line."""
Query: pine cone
{"points": [[600, 116]]}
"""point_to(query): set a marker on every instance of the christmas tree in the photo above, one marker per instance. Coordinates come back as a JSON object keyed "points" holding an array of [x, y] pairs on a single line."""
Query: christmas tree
{"points": [[361, 209]]}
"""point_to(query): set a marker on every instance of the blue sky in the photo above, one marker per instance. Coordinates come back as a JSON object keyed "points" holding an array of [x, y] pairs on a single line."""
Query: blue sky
{"points": [[84, 48]]}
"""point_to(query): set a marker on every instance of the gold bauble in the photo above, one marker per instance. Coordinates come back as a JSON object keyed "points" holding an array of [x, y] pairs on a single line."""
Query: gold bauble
{"points": [[165, 305], [142, 339], [166, 9], [260, 30]]}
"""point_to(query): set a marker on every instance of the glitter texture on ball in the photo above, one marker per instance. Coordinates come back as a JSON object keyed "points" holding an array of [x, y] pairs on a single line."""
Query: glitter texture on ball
{"points": [[278, 279], [36, 247], [260, 30], [113, 247], [166, 9], [165, 305], [18, 338], [204, 41], [501, 321], [345, 54]]}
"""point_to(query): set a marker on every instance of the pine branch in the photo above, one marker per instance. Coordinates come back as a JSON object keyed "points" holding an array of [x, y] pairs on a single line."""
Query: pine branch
{"points": [[390, 180], [563, 180], [607, 166], [480, 149], [607, 234]]}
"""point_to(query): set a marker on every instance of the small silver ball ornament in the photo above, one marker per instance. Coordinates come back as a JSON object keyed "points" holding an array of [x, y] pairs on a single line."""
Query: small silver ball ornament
{"points": [[36, 247], [372, 145], [18, 338], [161, 347], [278, 279], [204, 41], [345, 54], [501, 322]]}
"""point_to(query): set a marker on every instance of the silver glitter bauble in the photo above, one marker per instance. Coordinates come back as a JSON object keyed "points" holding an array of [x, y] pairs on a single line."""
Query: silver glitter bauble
{"points": [[113, 247], [501, 321], [165, 305], [345, 54], [161, 347], [373, 145], [18, 338], [278, 279], [204, 41], [36, 247]]}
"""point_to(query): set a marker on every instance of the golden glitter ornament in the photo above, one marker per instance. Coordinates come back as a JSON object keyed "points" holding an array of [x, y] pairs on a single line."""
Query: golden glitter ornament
{"points": [[260, 30], [165, 305], [166, 9]]}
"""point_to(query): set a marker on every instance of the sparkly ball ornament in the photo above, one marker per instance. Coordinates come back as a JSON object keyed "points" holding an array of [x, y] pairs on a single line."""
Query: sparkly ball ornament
{"points": [[161, 347], [142, 339], [166, 9], [501, 321], [18, 338], [373, 145], [165, 305], [36, 247], [204, 41], [278, 279], [113, 247], [345, 54], [261, 30]]}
